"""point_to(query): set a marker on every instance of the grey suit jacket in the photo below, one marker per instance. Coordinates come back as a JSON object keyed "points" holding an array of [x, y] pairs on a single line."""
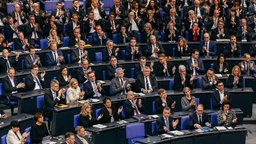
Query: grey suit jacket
{"points": [[116, 86], [78, 141]]}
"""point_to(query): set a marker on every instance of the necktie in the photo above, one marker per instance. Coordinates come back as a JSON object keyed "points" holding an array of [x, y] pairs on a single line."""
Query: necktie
{"points": [[101, 41], [122, 85], [55, 57], [84, 141], [200, 120], [167, 124], [39, 84], [81, 52], [136, 110], [7, 64], [248, 68], [33, 58], [147, 83], [167, 72], [156, 55], [124, 39], [54, 96], [18, 18]]}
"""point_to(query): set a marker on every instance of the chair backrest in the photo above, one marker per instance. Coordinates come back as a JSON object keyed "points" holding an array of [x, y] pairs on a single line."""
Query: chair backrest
{"points": [[40, 102], [90, 39], [199, 82], [171, 83], [123, 54], [69, 58], [43, 43], [135, 131], [114, 38], [123, 115], [184, 122], [68, 4], [3, 139], [28, 139], [103, 75], [97, 112], [65, 41], [154, 107], [162, 36], [76, 123], [153, 128], [197, 101], [50, 5], [139, 37], [1, 89], [132, 72], [9, 7], [211, 106], [214, 120], [98, 56]]}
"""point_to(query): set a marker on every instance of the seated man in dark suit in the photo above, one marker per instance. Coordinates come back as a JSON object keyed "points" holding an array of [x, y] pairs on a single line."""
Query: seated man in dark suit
{"points": [[247, 66], [21, 43], [207, 46], [55, 56], [10, 30], [166, 122], [109, 51], [34, 81], [123, 36], [53, 97], [11, 85], [154, 48], [233, 48], [195, 65], [199, 118], [81, 72], [7, 62], [220, 95], [76, 37], [111, 68], [74, 23], [182, 79], [120, 84], [163, 101], [142, 63], [209, 80], [32, 59], [164, 68], [69, 138], [109, 112], [99, 37], [79, 53], [81, 137], [132, 106], [77, 9], [220, 32], [146, 82], [92, 88], [133, 51]]}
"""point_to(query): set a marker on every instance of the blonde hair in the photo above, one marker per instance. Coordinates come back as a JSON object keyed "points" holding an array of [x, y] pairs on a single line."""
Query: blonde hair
{"points": [[184, 41], [239, 70], [83, 111], [72, 81]]}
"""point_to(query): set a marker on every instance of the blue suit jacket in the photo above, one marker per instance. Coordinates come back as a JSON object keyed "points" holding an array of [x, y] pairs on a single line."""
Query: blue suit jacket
{"points": [[96, 40], [200, 69], [216, 98], [50, 59], [212, 48]]}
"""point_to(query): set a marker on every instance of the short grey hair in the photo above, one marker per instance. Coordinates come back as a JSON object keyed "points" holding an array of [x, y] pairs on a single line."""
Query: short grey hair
{"points": [[182, 67], [152, 37], [119, 69], [53, 82]]}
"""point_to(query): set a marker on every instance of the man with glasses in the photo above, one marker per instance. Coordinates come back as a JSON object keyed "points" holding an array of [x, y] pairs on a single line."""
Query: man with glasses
{"points": [[199, 118], [182, 79], [120, 85], [109, 51], [220, 32], [79, 53], [99, 37], [207, 46], [34, 81], [111, 68], [195, 65], [92, 88], [219, 95]]}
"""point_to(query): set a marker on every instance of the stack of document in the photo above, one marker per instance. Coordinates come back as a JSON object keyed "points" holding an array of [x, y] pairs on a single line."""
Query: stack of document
{"points": [[220, 128], [176, 132], [99, 126], [165, 136]]}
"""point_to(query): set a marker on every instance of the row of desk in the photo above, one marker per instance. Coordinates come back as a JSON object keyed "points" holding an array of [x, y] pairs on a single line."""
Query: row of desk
{"points": [[240, 99]]}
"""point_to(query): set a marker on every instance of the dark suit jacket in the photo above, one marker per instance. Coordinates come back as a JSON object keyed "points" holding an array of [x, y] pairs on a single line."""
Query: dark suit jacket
{"points": [[70, 27], [29, 30], [78, 141], [120, 37], [159, 106], [81, 13], [206, 83], [108, 25], [88, 90], [62, 81], [236, 53], [30, 83], [87, 27], [138, 69], [8, 31], [3, 64], [172, 37], [85, 121], [212, 48], [160, 69], [49, 103], [217, 66], [200, 69], [216, 98], [178, 85], [112, 9], [194, 119], [75, 55], [215, 33], [101, 12], [148, 50], [73, 41], [19, 46], [23, 19], [160, 123], [248, 35], [129, 110], [8, 88], [106, 56], [116, 86], [50, 58], [96, 40], [111, 72], [231, 80], [140, 83], [129, 55], [106, 117], [29, 63], [80, 76]]}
